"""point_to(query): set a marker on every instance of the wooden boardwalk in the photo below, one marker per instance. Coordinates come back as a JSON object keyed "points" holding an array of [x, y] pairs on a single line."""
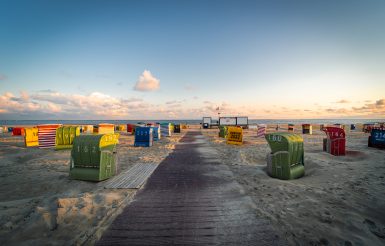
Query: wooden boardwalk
{"points": [[132, 178], [191, 199]]}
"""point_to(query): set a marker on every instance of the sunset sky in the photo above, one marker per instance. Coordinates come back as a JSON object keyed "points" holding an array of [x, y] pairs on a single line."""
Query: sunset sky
{"points": [[183, 59]]}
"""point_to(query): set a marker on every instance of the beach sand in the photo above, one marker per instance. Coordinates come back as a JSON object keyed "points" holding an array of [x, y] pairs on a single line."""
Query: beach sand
{"points": [[40, 204], [339, 201]]}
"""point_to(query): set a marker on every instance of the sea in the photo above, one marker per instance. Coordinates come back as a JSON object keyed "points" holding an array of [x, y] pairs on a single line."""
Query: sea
{"points": [[195, 121]]}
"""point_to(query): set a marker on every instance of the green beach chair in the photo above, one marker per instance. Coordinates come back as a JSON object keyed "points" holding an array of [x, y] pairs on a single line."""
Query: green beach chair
{"points": [[94, 157], [286, 160], [222, 131], [65, 136]]}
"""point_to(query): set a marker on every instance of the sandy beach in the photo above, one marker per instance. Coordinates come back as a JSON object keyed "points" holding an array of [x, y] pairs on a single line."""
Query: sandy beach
{"points": [[41, 205], [339, 201]]}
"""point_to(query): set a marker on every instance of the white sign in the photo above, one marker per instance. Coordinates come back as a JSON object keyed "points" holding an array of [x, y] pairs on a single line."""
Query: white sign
{"points": [[207, 120], [242, 121], [227, 121]]}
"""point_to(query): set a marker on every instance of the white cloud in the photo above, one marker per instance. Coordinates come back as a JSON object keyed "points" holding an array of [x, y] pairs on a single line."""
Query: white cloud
{"points": [[343, 101], [63, 105], [147, 82]]}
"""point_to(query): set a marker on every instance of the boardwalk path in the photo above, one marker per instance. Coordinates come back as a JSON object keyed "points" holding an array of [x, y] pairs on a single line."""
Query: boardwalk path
{"points": [[190, 199]]}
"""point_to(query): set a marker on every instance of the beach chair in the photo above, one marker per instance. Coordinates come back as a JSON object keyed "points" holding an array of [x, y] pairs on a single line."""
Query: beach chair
{"points": [[377, 138], [286, 159], [261, 130], [130, 128], [290, 127], [120, 128], [335, 143], [94, 157], [105, 128], [88, 129], [65, 136], [177, 128], [156, 134], [47, 135], [31, 137], [352, 127], [222, 131], [165, 129], [17, 131], [234, 135], [143, 137], [307, 129]]}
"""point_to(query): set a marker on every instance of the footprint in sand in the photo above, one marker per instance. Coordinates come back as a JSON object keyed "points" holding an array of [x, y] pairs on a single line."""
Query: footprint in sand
{"points": [[374, 229]]}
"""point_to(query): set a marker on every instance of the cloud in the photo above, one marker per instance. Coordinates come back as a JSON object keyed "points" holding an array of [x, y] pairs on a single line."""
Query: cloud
{"points": [[24, 96], [3, 76], [59, 105], [47, 91], [343, 101], [147, 82], [380, 102], [189, 87], [175, 102], [373, 108], [172, 102]]}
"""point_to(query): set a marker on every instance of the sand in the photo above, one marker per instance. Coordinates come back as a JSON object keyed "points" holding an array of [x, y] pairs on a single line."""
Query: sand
{"points": [[41, 205], [340, 200]]}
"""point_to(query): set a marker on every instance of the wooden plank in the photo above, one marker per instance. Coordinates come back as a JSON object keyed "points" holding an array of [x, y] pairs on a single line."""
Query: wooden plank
{"points": [[132, 178]]}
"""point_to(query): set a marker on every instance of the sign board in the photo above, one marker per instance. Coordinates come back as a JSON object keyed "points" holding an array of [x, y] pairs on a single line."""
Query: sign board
{"points": [[234, 135], [207, 120], [242, 121], [228, 121]]}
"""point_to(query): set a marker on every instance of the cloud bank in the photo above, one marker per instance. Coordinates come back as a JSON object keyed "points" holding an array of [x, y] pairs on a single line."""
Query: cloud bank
{"points": [[48, 104], [147, 82], [59, 105]]}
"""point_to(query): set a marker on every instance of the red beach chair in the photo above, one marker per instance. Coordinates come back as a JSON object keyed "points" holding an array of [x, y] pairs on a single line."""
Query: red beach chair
{"points": [[336, 141]]}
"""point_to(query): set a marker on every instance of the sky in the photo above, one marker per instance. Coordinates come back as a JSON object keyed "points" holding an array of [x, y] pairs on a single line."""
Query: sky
{"points": [[185, 59]]}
